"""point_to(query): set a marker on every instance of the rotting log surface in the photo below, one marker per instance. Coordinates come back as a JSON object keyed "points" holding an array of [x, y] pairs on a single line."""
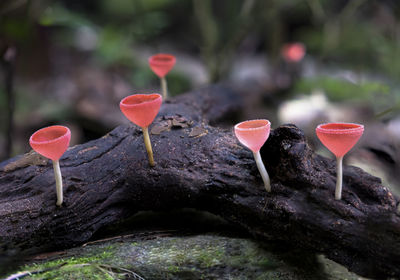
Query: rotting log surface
{"points": [[205, 168]]}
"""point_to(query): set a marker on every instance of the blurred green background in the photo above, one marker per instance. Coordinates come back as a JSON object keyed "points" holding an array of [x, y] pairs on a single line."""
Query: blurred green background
{"points": [[70, 62]]}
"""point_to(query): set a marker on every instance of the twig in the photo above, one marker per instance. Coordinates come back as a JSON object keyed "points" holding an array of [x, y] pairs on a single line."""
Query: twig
{"points": [[20, 275], [130, 272], [107, 239], [161, 233]]}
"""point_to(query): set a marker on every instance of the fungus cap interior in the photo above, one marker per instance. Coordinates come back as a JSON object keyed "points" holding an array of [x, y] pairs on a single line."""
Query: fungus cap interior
{"points": [[340, 128], [49, 134], [139, 99]]}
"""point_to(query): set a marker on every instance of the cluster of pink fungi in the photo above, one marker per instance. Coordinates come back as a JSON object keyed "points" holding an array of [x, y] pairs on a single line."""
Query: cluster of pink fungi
{"points": [[339, 138], [141, 109]]}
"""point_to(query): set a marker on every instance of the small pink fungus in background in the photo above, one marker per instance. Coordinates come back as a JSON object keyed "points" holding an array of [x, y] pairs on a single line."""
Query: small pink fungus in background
{"points": [[253, 133], [51, 141], [161, 64], [293, 52], [141, 109], [339, 138]]}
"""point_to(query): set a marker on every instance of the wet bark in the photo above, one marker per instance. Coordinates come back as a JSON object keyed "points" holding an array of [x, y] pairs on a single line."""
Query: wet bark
{"points": [[203, 167]]}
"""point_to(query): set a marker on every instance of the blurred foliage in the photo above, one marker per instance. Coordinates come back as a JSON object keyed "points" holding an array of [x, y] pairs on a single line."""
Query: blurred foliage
{"points": [[383, 99], [58, 15], [342, 90], [390, 112], [177, 83], [361, 34], [114, 35], [112, 44], [19, 30], [114, 48], [224, 27]]}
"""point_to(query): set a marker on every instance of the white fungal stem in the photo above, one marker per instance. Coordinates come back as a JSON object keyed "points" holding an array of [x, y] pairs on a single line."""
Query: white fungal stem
{"points": [[339, 178], [164, 88], [59, 184], [263, 171], [147, 143]]}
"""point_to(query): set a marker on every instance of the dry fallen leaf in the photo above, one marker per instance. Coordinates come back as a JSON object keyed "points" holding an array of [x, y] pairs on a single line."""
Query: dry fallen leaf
{"points": [[198, 132], [161, 127], [180, 123], [170, 122]]}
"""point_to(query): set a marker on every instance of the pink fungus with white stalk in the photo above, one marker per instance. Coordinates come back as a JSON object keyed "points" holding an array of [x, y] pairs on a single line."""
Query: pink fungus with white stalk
{"points": [[52, 142], [253, 135], [339, 138]]}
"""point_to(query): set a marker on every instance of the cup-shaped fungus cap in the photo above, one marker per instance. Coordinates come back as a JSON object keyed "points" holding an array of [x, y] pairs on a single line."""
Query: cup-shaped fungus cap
{"points": [[253, 133], [293, 52], [162, 63], [51, 141], [141, 109], [339, 138]]}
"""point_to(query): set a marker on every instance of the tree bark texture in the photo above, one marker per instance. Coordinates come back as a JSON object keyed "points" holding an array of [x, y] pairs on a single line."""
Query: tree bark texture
{"points": [[204, 167]]}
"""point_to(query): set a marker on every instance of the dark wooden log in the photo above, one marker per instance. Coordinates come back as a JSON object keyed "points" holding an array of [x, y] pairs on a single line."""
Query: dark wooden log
{"points": [[205, 168]]}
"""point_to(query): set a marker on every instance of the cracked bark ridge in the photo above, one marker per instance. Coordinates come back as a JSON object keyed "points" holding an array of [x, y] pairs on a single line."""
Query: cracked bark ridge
{"points": [[204, 167]]}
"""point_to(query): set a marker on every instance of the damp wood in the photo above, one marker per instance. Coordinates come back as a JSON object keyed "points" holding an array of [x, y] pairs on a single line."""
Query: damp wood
{"points": [[202, 166]]}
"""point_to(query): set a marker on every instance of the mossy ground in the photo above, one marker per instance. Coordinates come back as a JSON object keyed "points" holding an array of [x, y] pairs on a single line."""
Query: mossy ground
{"points": [[193, 257]]}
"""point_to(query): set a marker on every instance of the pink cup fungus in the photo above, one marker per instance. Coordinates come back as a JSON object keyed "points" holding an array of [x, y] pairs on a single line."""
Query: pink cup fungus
{"points": [[52, 142], [253, 135], [339, 138], [161, 64], [141, 109], [293, 52]]}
